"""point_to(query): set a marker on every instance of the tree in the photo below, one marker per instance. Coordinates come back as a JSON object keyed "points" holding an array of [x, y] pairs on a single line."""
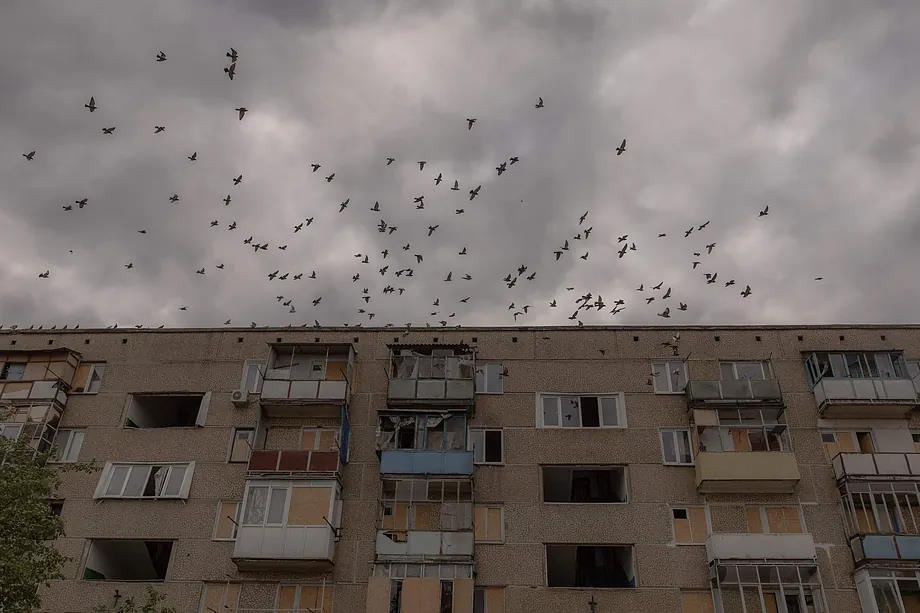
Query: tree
{"points": [[28, 526], [129, 605]]}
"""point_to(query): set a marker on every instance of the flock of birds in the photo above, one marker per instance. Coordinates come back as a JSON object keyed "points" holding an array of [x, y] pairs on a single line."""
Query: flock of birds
{"points": [[395, 269]]}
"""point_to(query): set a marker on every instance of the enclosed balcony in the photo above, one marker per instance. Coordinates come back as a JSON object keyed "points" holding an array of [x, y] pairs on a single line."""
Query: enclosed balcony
{"points": [[307, 379], [876, 466], [712, 394], [861, 385], [293, 462], [430, 375], [767, 586], [412, 443], [740, 546], [288, 525], [881, 514]]}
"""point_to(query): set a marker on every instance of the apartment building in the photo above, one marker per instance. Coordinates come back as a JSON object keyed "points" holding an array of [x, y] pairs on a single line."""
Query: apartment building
{"points": [[480, 470]]}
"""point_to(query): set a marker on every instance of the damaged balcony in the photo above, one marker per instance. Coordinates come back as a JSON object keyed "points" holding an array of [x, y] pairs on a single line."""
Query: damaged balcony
{"points": [[862, 385], [425, 520], [712, 394], [314, 375], [424, 444], [741, 546], [431, 374], [289, 525]]}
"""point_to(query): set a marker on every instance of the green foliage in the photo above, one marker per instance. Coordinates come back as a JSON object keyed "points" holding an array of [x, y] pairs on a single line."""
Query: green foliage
{"points": [[130, 605], [28, 527]]}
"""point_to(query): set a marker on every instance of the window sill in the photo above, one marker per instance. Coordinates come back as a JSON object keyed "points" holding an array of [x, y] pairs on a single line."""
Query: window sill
{"points": [[581, 427], [488, 542], [83, 393], [688, 544], [678, 464], [489, 393], [488, 463], [595, 504], [659, 393]]}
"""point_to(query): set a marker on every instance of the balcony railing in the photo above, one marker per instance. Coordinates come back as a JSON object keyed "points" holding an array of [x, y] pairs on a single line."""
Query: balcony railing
{"points": [[872, 547], [305, 390], [411, 462], [34, 390], [839, 397], [284, 547], [734, 391], [751, 472], [737, 546], [894, 465], [291, 461], [419, 544]]}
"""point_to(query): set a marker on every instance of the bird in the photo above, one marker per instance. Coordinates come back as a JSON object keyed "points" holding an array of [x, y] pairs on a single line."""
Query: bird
{"points": [[662, 235], [819, 278], [703, 226], [200, 271], [313, 274], [344, 204], [501, 168], [376, 208], [687, 232], [174, 198], [531, 276], [695, 264], [711, 278], [456, 186], [298, 276], [459, 211], [622, 147], [465, 300], [514, 160], [470, 122], [230, 70], [467, 277], [665, 313], [539, 104], [622, 239], [641, 287], [447, 279], [390, 161], [183, 308], [729, 282], [219, 267], [565, 246], [584, 216], [658, 286], [558, 255], [298, 227], [418, 258], [475, 192], [68, 207], [553, 303], [622, 251], [330, 178], [764, 212], [247, 241], [232, 55], [284, 276], [158, 129], [315, 166], [667, 294], [584, 257], [29, 156], [232, 226], [214, 223], [226, 200], [193, 157], [129, 265], [108, 130], [710, 247], [238, 180], [420, 199], [142, 231], [682, 307], [80, 203], [161, 56], [308, 221], [462, 251], [227, 323], [746, 291], [92, 104], [242, 111], [272, 275], [649, 300], [437, 179], [421, 165]]}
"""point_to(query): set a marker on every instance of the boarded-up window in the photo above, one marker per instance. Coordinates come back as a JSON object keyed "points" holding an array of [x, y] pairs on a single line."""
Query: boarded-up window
{"points": [[487, 524], [309, 505], [421, 594], [774, 519], [318, 439], [489, 600], [305, 598], [697, 602], [228, 518], [220, 597], [242, 444], [689, 525]]}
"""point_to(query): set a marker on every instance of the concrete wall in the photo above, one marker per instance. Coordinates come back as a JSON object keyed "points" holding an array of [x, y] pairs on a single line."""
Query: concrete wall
{"points": [[538, 360]]}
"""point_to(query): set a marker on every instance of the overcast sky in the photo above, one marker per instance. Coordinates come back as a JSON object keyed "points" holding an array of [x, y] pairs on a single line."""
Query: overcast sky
{"points": [[728, 106]]}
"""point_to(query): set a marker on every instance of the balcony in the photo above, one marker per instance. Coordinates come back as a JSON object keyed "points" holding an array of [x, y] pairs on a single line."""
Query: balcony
{"points": [[439, 376], [713, 394], [737, 546], [293, 461], [887, 547], [424, 545], [746, 472], [411, 462], [298, 375], [865, 398], [875, 465], [47, 390], [285, 548]]}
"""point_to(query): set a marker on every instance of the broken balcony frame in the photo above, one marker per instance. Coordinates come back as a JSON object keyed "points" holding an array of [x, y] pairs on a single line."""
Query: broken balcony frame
{"points": [[303, 374], [431, 374]]}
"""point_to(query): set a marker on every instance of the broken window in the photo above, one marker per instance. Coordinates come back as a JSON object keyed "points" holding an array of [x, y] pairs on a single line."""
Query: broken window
{"points": [[228, 520], [443, 432], [675, 446], [220, 598], [252, 376], [66, 445], [145, 480], [447, 596], [127, 560], [741, 371], [745, 429], [88, 378], [855, 365], [607, 411], [294, 505], [241, 446], [489, 379], [669, 376], [584, 484], [13, 371], [488, 524], [166, 410], [487, 445], [405, 433], [689, 524], [590, 566], [767, 519]]}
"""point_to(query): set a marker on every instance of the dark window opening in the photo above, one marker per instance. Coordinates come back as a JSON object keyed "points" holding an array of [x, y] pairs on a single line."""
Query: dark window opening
{"points": [[406, 436], [589, 415], [493, 445], [447, 596], [584, 484], [127, 560], [166, 411], [57, 507], [395, 596], [590, 566]]}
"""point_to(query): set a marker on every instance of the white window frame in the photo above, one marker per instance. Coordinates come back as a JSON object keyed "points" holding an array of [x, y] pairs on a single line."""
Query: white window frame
{"points": [[67, 453], [248, 365], [288, 488], [225, 606], [482, 374], [501, 509], [471, 447], [109, 471], [236, 518], [668, 365], [233, 439], [94, 367], [673, 432], [621, 410], [766, 369]]}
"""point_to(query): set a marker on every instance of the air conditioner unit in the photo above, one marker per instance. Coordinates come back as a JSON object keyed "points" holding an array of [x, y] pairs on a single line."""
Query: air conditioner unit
{"points": [[240, 398]]}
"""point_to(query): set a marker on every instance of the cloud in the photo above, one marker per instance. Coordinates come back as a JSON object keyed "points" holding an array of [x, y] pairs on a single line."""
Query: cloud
{"points": [[727, 106]]}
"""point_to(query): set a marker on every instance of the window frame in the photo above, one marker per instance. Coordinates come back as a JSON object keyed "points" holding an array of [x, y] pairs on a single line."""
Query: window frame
{"points": [[765, 518], [483, 369], [766, 369], [233, 440], [94, 367], [236, 519], [9, 426], [624, 468], [62, 457], [673, 432], [5, 371], [501, 512], [298, 596], [668, 363], [632, 558], [620, 405], [421, 430], [707, 525], [471, 447], [260, 365], [108, 473], [225, 606], [288, 487]]}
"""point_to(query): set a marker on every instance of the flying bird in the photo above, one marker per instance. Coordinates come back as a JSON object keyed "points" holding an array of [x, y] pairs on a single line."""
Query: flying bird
{"points": [[747, 291], [456, 186], [214, 223], [459, 211], [315, 166], [44, 275], [344, 204], [193, 157], [470, 122], [437, 179], [232, 55], [665, 313], [729, 282], [539, 104], [584, 257], [200, 271], [682, 307], [421, 165], [376, 209], [658, 286], [462, 252], [622, 147], [158, 129], [161, 56], [80, 203], [92, 104], [226, 200], [29, 155], [108, 130], [390, 161], [710, 247], [501, 168], [475, 192], [330, 178], [703, 226], [242, 111], [582, 219], [231, 71], [129, 265], [764, 212], [238, 180], [174, 198]]}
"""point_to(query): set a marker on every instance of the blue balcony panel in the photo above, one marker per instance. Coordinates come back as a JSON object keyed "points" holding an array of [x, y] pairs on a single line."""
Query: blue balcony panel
{"points": [[408, 462]]}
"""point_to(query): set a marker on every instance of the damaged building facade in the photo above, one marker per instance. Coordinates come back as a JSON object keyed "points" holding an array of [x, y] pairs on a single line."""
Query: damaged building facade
{"points": [[480, 470]]}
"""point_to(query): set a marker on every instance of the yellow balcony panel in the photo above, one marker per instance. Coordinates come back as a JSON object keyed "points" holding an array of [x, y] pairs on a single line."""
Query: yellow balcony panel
{"points": [[746, 472]]}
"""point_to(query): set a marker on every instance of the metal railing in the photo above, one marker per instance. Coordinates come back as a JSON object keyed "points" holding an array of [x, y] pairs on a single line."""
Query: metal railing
{"points": [[726, 390]]}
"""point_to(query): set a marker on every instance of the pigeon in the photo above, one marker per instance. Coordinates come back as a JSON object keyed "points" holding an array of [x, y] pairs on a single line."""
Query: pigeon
{"points": [[272, 275], [142, 231], [437, 179], [242, 111], [682, 307], [462, 251], [183, 308], [226, 200], [92, 104], [298, 227], [421, 165], [29, 155], [475, 192], [588, 231], [161, 56], [129, 265], [747, 291], [539, 104], [158, 129], [641, 287], [174, 198], [238, 180], [764, 212], [232, 55], [467, 277], [456, 186], [308, 221], [80, 203], [344, 204], [431, 229], [200, 271], [447, 279], [711, 278], [819, 278], [649, 300], [390, 161], [315, 166], [108, 130], [376, 208], [247, 241], [703, 226], [459, 211], [193, 157], [558, 255], [622, 239], [313, 274], [553, 303], [419, 199], [584, 257], [582, 219], [219, 267], [665, 313], [214, 223], [658, 286], [687, 232], [667, 294], [729, 282], [695, 264], [710, 247], [465, 300], [330, 178], [68, 207], [513, 160], [501, 168], [232, 226], [298, 276], [621, 148], [470, 122], [227, 323], [622, 251], [662, 235], [231, 70]]}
